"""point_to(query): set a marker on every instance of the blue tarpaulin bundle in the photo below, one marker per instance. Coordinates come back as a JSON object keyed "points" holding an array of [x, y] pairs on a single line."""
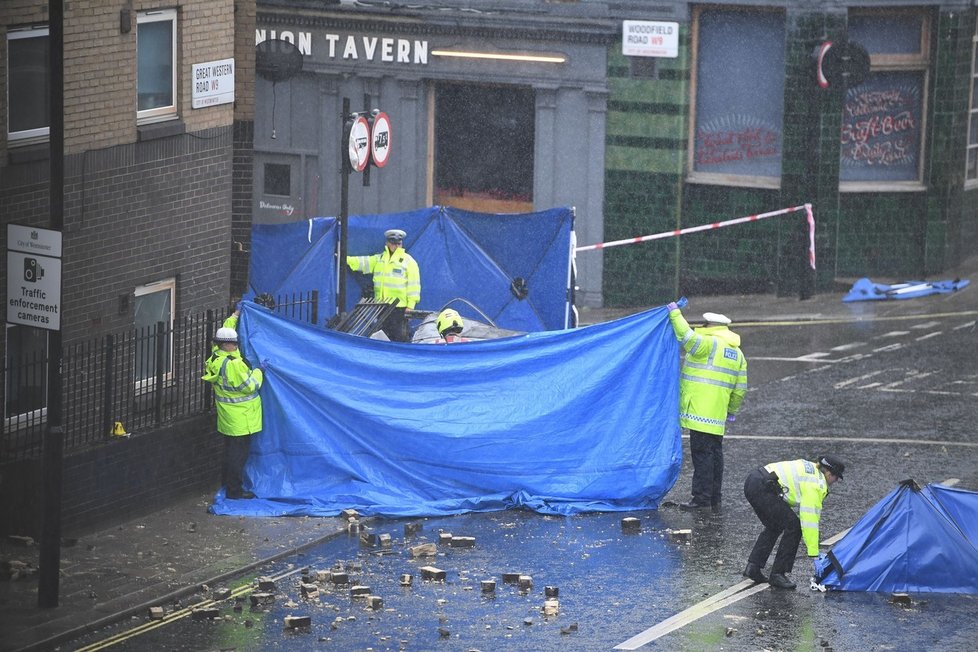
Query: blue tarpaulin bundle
{"points": [[865, 290], [914, 540], [557, 421], [461, 254]]}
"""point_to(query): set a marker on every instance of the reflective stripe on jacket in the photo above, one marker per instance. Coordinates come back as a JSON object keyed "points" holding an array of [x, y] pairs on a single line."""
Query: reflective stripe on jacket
{"points": [[713, 380], [803, 486], [396, 276]]}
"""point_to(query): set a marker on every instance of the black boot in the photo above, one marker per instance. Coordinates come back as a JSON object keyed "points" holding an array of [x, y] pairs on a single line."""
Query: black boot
{"points": [[753, 572], [779, 581]]}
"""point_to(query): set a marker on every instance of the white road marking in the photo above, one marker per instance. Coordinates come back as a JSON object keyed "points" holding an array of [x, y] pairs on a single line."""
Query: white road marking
{"points": [[969, 324], [929, 324], [928, 336], [892, 334], [857, 379], [889, 347], [848, 347]]}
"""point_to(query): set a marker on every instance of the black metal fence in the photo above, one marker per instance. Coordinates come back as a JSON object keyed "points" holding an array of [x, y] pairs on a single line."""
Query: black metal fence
{"points": [[120, 383]]}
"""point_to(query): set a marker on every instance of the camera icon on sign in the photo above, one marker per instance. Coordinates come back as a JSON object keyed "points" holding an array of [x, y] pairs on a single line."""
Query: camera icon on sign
{"points": [[33, 272]]}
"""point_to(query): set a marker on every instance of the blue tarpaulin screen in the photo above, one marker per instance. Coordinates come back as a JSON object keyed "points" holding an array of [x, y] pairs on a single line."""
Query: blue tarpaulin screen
{"points": [[559, 421], [913, 540], [461, 254]]}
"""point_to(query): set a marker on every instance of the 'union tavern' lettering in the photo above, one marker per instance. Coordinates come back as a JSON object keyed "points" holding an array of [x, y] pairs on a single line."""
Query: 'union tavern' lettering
{"points": [[354, 48]]}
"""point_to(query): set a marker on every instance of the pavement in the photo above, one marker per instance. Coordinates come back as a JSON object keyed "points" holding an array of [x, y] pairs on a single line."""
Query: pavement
{"points": [[182, 554]]}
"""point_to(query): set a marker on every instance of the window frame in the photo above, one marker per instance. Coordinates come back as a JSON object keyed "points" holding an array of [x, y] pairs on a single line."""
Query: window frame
{"points": [[972, 112], [918, 62], [169, 285], [160, 113], [720, 178], [27, 136]]}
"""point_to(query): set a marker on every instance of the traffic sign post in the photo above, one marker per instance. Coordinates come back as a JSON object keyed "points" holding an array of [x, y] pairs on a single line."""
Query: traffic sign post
{"points": [[365, 142], [34, 277]]}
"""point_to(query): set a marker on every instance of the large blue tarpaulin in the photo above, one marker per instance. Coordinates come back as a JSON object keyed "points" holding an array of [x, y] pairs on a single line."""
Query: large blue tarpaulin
{"points": [[559, 421], [461, 254], [914, 540]]}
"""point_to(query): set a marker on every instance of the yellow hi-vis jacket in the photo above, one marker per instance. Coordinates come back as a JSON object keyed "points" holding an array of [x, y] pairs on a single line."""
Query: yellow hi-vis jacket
{"points": [[396, 276], [803, 486], [713, 380], [236, 388]]}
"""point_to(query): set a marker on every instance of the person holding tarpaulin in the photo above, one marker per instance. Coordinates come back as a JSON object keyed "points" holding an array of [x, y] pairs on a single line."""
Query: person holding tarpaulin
{"points": [[239, 410], [773, 491], [712, 385], [396, 278]]}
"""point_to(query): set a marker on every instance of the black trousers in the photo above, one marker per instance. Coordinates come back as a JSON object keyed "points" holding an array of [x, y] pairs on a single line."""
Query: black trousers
{"points": [[396, 326], [706, 451], [236, 450], [764, 495]]}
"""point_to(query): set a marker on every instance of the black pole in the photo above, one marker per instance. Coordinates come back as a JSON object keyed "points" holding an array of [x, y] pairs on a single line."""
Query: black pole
{"points": [[344, 204], [49, 560]]}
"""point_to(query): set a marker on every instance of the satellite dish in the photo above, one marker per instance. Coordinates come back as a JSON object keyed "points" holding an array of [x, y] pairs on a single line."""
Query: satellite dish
{"points": [[277, 60]]}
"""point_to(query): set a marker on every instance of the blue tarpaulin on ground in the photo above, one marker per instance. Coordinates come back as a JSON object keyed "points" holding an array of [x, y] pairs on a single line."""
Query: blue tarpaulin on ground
{"points": [[865, 290], [461, 254], [914, 540], [559, 421]]}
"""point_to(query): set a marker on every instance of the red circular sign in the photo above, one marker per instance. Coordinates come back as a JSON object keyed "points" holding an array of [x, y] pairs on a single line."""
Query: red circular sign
{"points": [[380, 140], [359, 144]]}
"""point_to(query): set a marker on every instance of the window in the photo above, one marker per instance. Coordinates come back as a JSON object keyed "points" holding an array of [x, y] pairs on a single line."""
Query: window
{"points": [[738, 103], [156, 68], [484, 159], [882, 140], [154, 304], [25, 384], [28, 85], [971, 161], [278, 179]]}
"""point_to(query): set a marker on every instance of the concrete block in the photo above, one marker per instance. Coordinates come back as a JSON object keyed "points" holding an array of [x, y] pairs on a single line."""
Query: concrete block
{"points": [[902, 599], [354, 526], [322, 575], [488, 586], [349, 513], [525, 582], [462, 542], [339, 577], [444, 538], [407, 579], [384, 540], [680, 536], [433, 574], [423, 550], [156, 613], [551, 607], [266, 584], [205, 613], [551, 591], [359, 591], [222, 593], [369, 539], [297, 622], [631, 524], [375, 602], [412, 528], [260, 598], [309, 590], [511, 578]]}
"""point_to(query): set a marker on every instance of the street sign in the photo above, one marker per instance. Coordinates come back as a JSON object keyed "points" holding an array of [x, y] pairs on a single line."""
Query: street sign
{"points": [[359, 144], [34, 277], [380, 140]]}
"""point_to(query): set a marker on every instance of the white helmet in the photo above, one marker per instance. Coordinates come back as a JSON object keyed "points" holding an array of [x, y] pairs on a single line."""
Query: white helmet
{"points": [[226, 335]]}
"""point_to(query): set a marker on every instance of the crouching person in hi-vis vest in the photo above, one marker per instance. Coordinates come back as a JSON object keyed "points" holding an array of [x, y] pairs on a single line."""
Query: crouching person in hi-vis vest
{"points": [[712, 385], [773, 491], [239, 413]]}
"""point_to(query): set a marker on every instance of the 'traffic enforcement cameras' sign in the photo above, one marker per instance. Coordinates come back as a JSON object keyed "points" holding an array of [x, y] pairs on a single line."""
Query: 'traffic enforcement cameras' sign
{"points": [[34, 277]]}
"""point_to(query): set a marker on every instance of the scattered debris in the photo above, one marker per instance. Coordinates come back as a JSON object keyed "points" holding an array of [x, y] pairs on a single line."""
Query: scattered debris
{"points": [[412, 528], [551, 591], [359, 591], [462, 542], [423, 550], [156, 613], [901, 599], [266, 584], [205, 613], [551, 607], [432, 573], [680, 536], [630, 524], [375, 602], [488, 586], [406, 579], [222, 593], [298, 622]]}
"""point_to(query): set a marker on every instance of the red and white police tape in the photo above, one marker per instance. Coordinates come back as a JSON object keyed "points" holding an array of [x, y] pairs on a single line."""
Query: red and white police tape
{"points": [[716, 225]]}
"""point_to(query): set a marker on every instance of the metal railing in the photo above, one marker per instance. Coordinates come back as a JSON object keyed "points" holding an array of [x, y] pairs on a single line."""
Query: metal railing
{"points": [[140, 379]]}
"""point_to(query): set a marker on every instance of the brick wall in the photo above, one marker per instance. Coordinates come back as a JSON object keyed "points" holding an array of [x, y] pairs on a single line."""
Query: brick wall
{"points": [[117, 481]]}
